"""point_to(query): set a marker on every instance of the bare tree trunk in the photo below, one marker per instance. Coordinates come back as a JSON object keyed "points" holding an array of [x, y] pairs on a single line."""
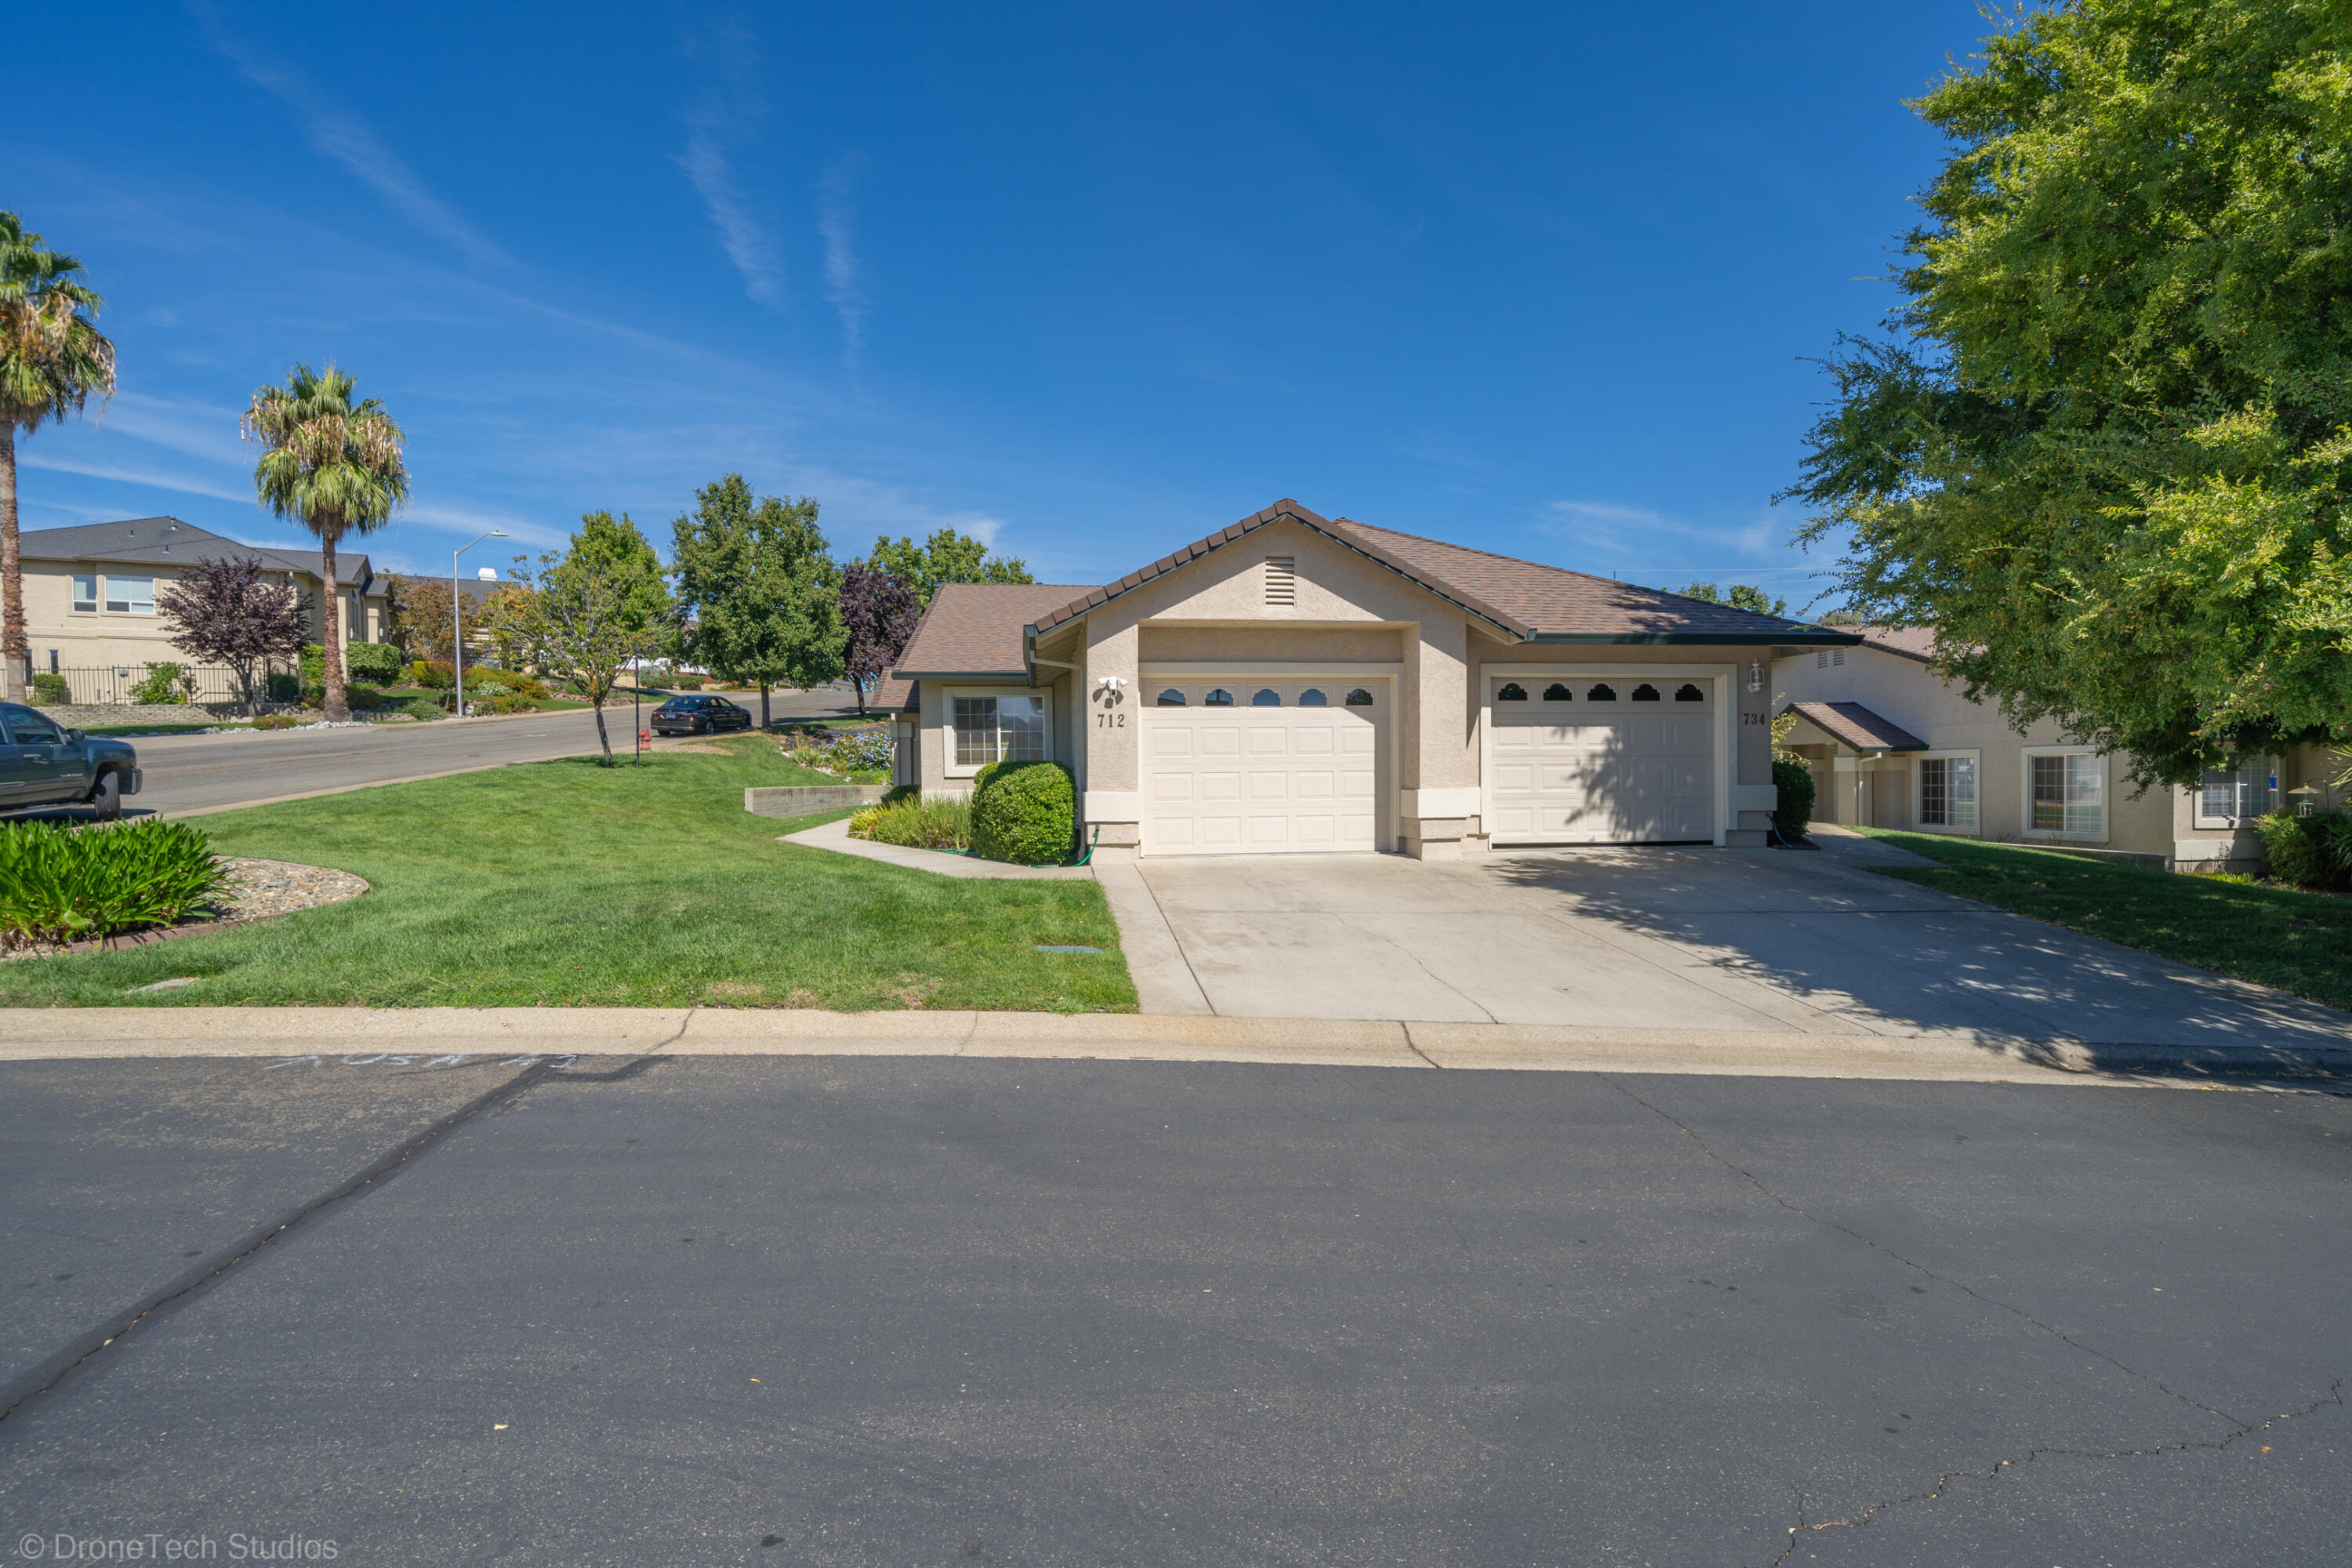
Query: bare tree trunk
{"points": [[13, 646], [330, 642], [602, 739], [858, 684]]}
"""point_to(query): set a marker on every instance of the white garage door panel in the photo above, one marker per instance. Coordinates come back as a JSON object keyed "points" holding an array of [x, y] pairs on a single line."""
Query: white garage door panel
{"points": [[1585, 772], [1238, 779]]}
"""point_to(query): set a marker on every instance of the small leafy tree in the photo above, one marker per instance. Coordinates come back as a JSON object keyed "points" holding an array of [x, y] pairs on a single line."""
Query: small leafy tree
{"points": [[226, 612], [1742, 596], [580, 610], [947, 556], [416, 615], [879, 612], [757, 584]]}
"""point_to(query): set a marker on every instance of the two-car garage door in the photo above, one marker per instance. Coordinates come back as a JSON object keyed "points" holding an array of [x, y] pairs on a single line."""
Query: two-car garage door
{"points": [[1270, 766], [1615, 760]]}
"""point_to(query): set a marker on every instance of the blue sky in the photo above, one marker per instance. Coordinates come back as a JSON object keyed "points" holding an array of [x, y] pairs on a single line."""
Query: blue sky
{"points": [[1091, 281]]}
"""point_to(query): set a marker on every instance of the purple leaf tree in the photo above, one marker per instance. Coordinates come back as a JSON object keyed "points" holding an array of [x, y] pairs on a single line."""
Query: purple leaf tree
{"points": [[222, 612], [879, 610]]}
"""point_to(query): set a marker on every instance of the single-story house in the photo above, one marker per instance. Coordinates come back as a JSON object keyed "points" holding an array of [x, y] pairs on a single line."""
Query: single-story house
{"points": [[89, 591], [1893, 744], [1297, 684]]}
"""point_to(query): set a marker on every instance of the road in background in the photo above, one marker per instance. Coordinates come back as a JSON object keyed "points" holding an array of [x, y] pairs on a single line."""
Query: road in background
{"points": [[189, 773], [926, 1310]]}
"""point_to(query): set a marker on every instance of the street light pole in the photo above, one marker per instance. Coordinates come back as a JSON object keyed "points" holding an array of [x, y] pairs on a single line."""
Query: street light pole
{"points": [[457, 618]]}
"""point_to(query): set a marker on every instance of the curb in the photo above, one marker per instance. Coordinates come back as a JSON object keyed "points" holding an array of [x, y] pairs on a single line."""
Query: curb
{"points": [[370, 1036]]}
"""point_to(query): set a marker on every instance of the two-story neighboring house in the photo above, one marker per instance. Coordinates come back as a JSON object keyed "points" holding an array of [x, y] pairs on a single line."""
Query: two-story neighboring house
{"points": [[90, 592], [1893, 744]]}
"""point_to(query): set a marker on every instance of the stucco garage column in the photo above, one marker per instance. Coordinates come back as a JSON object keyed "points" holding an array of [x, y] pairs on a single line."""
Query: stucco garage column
{"points": [[1438, 762], [1110, 802]]}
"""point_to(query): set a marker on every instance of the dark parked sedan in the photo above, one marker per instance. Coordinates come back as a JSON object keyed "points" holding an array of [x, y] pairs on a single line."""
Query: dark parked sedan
{"points": [[698, 716]]}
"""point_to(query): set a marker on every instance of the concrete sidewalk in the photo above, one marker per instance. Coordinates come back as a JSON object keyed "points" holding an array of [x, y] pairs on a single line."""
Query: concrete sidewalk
{"points": [[427, 1038]]}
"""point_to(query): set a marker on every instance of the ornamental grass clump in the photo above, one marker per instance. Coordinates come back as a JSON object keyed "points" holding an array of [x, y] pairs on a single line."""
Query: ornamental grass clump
{"points": [[942, 821], [74, 884]]}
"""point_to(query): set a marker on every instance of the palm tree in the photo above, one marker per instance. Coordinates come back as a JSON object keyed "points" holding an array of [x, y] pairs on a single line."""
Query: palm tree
{"points": [[334, 467], [52, 357]]}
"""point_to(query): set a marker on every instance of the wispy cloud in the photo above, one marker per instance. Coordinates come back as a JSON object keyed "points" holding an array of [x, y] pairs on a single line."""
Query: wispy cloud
{"points": [[1607, 525], [340, 135], [120, 474], [184, 425], [729, 111], [836, 221], [470, 520]]}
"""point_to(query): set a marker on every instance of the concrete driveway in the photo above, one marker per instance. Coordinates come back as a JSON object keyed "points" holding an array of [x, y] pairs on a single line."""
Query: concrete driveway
{"points": [[1696, 938]]}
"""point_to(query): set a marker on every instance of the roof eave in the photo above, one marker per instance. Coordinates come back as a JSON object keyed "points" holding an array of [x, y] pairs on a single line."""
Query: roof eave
{"points": [[958, 674]]}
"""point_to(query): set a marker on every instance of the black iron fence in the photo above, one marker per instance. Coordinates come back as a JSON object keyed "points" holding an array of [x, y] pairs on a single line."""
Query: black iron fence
{"points": [[123, 685]]}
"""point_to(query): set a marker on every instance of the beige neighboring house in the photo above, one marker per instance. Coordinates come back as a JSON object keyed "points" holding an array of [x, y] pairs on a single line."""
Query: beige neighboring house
{"points": [[90, 593], [1891, 744], [1301, 685]]}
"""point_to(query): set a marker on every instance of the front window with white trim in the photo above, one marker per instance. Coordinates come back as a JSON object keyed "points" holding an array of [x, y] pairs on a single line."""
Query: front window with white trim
{"points": [[999, 729], [129, 595], [1948, 791], [2227, 797], [2066, 794]]}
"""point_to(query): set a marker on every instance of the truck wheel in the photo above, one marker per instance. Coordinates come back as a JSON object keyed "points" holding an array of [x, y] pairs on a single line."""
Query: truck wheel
{"points": [[106, 799]]}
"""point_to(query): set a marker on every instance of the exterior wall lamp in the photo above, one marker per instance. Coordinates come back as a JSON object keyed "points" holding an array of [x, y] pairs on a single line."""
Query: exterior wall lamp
{"points": [[1755, 674]]}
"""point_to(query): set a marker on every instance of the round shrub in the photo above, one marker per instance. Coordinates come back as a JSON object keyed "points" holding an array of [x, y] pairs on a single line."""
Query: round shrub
{"points": [[51, 690], [1025, 813], [372, 661], [424, 708], [1795, 812]]}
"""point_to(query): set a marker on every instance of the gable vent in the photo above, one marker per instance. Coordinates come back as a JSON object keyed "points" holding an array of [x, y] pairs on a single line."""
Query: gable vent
{"points": [[1829, 659], [1282, 580]]}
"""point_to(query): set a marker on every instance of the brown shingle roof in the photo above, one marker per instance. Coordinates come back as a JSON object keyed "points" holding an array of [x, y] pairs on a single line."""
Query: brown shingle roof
{"points": [[1905, 642], [892, 695], [974, 629], [1523, 599], [1852, 724]]}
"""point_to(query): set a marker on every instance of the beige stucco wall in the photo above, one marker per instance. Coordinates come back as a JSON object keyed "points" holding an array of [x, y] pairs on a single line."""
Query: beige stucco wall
{"points": [[2160, 821], [86, 639]]}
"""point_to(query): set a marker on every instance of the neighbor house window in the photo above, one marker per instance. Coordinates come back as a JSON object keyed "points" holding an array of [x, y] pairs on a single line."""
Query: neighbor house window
{"points": [[999, 729], [129, 595], [1947, 793], [85, 586], [2228, 796], [2065, 792]]}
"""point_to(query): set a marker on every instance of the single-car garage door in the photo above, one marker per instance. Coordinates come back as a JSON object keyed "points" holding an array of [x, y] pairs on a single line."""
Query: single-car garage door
{"points": [[1618, 761], [1260, 767]]}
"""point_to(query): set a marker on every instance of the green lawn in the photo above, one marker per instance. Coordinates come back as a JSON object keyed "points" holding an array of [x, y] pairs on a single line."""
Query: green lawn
{"points": [[572, 885], [2274, 936]]}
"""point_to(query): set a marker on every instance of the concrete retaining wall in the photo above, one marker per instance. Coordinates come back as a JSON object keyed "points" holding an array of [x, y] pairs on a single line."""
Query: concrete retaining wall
{"points": [[805, 800]]}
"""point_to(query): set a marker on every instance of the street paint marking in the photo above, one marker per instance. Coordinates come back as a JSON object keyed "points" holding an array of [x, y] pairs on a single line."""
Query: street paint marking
{"points": [[558, 1060]]}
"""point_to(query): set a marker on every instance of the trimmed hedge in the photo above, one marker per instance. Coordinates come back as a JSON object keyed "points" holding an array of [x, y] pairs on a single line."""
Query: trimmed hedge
{"points": [[374, 661], [73, 884], [1025, 813], [1795, 812]]}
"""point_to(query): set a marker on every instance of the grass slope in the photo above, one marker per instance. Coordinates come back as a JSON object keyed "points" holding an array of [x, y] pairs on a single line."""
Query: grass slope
{"points": [[2274, 936], [571, 885]]}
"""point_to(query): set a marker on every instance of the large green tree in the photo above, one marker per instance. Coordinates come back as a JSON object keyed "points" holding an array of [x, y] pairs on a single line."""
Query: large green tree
{"points": [[757, 585], [53, 359], [947, 556], [333, 465], [2107, 449]]}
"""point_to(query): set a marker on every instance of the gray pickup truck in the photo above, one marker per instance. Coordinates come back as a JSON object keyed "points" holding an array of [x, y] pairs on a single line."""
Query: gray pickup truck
{"points": [[42, 764]]}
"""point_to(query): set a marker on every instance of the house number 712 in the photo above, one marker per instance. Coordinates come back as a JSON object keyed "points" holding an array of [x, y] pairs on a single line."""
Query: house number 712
{"points": [[1110, 720]]}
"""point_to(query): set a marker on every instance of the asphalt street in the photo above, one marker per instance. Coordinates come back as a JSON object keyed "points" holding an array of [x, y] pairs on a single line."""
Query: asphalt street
{"points": [[921, 1310], [189, 773]]}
